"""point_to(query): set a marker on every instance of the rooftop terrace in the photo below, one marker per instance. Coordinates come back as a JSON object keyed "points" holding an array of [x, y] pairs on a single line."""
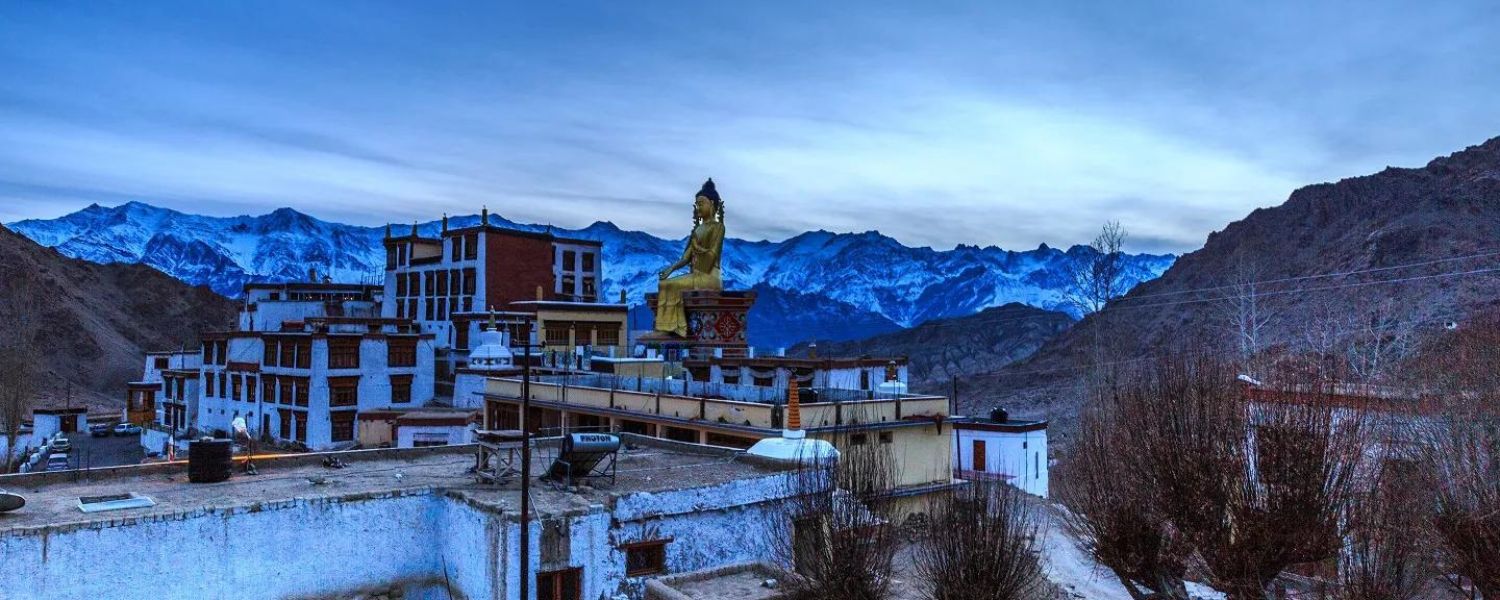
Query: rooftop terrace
{"points": [[645, 465]]}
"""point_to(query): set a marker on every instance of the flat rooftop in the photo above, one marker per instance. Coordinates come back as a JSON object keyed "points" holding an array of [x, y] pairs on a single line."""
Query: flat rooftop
{"points": [[644, 465]]}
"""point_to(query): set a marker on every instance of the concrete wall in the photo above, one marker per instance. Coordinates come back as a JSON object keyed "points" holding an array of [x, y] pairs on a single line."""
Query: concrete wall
{"points": [[257, 552], [335, 547], [407, 435], [1020, 457]]}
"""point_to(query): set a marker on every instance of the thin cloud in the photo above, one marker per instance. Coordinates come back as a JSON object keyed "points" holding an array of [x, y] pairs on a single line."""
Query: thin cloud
{"points": [[988, 125]]}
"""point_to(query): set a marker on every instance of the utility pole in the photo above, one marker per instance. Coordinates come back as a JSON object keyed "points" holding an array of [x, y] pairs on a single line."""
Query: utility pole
{"points": [[526, 467]]}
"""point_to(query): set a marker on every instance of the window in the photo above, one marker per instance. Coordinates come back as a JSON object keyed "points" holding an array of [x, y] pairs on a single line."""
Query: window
{"points": [[458, 248], [429, 283], [427, 309], [645, 558], [160, 362], [568, 286], [858, 439], [249, 388], [609, 335], [288, 354], [557, 334], [301, 419], [269, 359], [559, 585], [236, 382], [588, 261], [401, 388], [343, 425], [208, 384], [461, 335], [285, 416], [304, 354], [268, 389], [286, 391], [401, 286], [301, 391], [343, 353], [223, 384], [343, 391], [401, 352], [442, 283], [469, 282], [886, 437], [390, 257], [471, 246], [568, 260], [588, 288]]}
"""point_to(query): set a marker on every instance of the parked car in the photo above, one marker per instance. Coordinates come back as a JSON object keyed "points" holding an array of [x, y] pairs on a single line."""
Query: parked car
{"points": [[124, 429], [57, 462], [99, 430], [61, 445]]}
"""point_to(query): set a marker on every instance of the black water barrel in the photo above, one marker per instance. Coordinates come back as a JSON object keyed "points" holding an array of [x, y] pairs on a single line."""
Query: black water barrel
{"points": [[999, 415], [210, 460]]}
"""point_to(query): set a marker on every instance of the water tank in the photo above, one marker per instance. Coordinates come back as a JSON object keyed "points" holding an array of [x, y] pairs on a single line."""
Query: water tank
{"points": [[210, 460], [590, 443], [999, 415]]}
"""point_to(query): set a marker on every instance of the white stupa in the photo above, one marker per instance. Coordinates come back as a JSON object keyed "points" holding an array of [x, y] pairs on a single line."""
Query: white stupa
{"points": [[793, 445], [493, 352]]}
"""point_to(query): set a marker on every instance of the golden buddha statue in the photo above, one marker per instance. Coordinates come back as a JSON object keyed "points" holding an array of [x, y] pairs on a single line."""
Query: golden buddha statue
{"points": [[701, 256]]}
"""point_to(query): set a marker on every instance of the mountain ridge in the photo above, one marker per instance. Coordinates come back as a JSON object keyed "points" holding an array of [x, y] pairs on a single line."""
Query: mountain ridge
{"points": [[863, 274], [1348, 271]]}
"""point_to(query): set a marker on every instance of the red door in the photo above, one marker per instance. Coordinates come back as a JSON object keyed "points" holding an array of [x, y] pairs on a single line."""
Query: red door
{"points": [[978, 458]]}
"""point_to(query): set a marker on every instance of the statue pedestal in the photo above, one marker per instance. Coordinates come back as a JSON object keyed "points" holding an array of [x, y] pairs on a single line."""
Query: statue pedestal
{"points": [[717, 324]]}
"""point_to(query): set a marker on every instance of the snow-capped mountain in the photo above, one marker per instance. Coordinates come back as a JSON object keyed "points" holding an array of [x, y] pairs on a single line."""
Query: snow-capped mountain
{"points": [[868, 282]]}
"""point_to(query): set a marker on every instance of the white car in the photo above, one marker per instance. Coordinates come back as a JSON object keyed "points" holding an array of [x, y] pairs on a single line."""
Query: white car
{"points": [[61, 445], [57, 462], [127, 429]]}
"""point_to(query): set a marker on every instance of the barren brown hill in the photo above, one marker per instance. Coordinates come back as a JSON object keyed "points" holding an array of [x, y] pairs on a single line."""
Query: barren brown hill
{"points": [[1352, 270], [95, 322], [943, 349]]}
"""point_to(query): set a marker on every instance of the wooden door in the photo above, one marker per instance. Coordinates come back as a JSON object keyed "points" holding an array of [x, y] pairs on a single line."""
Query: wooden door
{"points": [[978, 457]]}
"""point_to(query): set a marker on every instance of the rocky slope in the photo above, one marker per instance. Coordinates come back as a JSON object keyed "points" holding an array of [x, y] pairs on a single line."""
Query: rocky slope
{"points": [[944, 349], [1351, 271], [95, 322], [870, 278]]}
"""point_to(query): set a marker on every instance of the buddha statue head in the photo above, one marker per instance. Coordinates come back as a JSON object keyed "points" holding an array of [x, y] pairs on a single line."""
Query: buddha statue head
{"points": [[707, 205]]}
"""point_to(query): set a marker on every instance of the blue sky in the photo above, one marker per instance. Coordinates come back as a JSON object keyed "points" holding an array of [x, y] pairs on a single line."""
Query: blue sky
{"points": [[1000, 123]]}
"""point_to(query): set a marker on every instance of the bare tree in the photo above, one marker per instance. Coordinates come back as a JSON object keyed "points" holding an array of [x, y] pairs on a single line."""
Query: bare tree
{"points": [[1380, 340], [842, 541], [1255, 485], [1112, 513], [1386, 551], [1244, 309], [982, 543], [20, 321], [1098, 279]]}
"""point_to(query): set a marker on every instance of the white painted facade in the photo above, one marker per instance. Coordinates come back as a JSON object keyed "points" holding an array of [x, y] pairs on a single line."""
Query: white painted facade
{"points": [[216, 411], [420, 537], [1017, 456]]}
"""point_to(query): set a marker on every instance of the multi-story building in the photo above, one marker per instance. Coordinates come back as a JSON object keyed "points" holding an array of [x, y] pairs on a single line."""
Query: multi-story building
{"points": [[304, 362], [448, 284]]}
